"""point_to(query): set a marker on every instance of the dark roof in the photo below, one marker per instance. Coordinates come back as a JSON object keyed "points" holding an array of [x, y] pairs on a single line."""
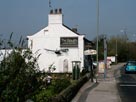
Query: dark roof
{"points": [[86, 40], [72, 30]]}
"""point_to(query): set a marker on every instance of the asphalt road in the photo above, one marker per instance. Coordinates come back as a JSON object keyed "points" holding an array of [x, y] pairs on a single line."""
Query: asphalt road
{"points": [[126, 84]]}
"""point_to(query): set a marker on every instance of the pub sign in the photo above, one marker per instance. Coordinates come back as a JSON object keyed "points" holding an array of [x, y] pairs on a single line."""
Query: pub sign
{"points": [[68, 41]]}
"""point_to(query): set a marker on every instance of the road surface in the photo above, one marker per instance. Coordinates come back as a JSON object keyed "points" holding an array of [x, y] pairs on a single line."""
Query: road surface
{"points": [[126, 84]]}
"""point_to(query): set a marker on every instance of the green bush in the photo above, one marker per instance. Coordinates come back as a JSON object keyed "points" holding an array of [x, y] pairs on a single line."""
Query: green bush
{"points": [[18, 78], [43, 95], [21, 79], [67, 94], [59, 84], [19, 73], [50, 91]]}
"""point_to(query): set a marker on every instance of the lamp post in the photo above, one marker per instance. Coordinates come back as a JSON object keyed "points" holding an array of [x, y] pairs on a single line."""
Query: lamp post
{"points": [[116, 56], [105, 57], [97, 34]]}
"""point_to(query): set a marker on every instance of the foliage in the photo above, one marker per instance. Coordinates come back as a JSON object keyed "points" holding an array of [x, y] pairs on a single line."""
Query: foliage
{"points": [[47, 93], [100, 47], [43, 95], [59, 84], [20, 77], [119, 45]]}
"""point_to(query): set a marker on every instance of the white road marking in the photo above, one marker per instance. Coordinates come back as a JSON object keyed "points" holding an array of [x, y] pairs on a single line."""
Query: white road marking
{"points": [[127, 85]]}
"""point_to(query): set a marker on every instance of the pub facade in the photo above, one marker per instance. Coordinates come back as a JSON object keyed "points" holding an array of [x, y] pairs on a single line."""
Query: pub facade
{"points": [[58, 45]]}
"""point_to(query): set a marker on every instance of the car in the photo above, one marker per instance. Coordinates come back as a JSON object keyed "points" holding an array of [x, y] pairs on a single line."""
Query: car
{"points": [[130, 67]]}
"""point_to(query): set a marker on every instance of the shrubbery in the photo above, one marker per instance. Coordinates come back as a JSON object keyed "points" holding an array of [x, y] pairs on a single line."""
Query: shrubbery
{"points": [[50, 91], [21, 79]]}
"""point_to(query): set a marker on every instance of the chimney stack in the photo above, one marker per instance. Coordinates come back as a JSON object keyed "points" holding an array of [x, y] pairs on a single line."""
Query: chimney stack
{"points": [[55, 16], [56, 11], [60, 10], [51, 11], [74, 30]]}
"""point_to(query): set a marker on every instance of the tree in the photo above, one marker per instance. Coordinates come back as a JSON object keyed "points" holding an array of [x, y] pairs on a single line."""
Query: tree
{"points": [[20, 76], [119, 45], [125, 48], [100, 46]]}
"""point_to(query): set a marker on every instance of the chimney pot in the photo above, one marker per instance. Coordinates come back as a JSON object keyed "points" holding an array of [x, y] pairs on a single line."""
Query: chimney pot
{"points": [[56, 11], [51, 11], [55, 17], [60, 10], [74, 30]]}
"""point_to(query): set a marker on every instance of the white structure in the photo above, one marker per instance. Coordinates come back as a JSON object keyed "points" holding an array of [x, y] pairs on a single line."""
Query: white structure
{"points": [[57, 44], [4, 53]]}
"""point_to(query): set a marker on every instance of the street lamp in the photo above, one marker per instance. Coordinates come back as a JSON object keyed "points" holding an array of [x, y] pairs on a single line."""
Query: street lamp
{"points": [[97, 34], [105, 56], [116, 56]]}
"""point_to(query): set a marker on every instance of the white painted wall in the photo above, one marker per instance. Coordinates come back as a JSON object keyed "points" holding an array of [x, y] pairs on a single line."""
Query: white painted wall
{"points": [[49, 38]]}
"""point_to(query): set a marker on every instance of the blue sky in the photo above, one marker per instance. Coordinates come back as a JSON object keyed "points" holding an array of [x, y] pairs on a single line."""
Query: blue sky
{"points": [[26, 17]]}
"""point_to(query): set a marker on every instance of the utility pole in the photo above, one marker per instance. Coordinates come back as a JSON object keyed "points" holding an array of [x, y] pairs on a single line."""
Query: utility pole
{"points": [[105, 57], [116, 50], [97, 34]]}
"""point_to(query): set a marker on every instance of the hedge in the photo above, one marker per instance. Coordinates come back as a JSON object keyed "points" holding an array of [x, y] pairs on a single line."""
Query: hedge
{"points": [[69, 93]]}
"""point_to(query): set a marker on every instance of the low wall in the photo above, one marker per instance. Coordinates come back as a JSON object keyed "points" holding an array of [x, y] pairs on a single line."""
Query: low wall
{"points": [[68, 94]]}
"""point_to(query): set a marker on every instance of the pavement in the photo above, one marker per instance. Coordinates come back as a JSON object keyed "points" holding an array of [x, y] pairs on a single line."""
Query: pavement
{"points": [[104, 90]]}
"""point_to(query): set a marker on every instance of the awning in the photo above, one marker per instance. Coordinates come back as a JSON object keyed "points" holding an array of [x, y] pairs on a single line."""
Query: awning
{"points": [[90, 52]]}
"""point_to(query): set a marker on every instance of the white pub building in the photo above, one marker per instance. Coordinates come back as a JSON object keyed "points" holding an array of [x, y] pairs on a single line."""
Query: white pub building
{"points": [[58, 45]]}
